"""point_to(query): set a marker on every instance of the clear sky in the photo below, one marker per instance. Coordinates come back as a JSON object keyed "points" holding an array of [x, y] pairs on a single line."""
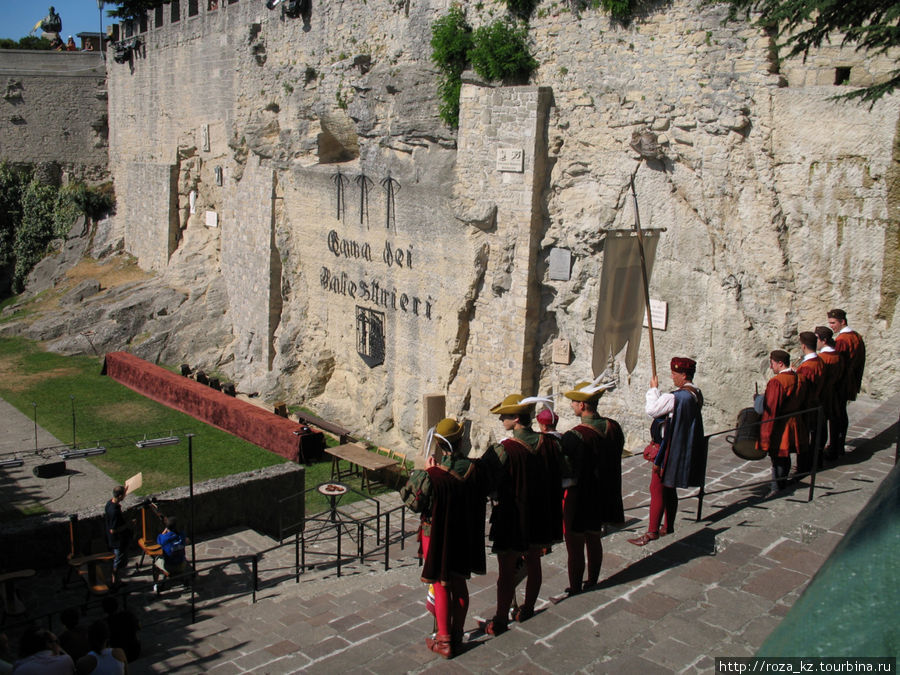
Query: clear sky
{"points": [[17, 17]]}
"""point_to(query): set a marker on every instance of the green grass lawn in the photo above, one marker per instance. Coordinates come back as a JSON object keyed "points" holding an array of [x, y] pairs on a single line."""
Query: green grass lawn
{"points": [[109, 414]]}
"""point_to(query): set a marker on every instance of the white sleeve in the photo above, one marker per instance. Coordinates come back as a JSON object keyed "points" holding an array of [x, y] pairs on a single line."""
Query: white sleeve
{"points": [[658, 404]]}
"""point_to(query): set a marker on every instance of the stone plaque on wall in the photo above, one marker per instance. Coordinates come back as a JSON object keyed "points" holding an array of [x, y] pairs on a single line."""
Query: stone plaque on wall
{"points": [[212, 219], [204, 141], [561, 351], [511, 159], [560, 264], [659, 312]]}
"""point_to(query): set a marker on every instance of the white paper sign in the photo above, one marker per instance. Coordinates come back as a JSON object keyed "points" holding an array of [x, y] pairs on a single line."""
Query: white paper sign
{"points": [[212, 219], [659, 312]]}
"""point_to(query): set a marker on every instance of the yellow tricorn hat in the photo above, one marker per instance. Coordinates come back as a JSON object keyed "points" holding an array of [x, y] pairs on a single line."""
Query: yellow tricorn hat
{"points": [[514, 404], [449, 428], [589, 391]]}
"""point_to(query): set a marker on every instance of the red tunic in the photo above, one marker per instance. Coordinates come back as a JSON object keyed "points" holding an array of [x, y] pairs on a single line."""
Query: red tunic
{"points": [[851, 345], [812, 373], [784, 395], [834, 370]]}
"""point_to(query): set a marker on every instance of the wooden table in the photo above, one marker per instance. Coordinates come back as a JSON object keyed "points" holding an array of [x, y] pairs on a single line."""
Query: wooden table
{"points": [[361, 460], [88, 567]]}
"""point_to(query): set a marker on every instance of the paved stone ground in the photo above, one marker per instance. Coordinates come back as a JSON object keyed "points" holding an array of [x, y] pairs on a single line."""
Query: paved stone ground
{"points": [[713, 588], [77, 488]]}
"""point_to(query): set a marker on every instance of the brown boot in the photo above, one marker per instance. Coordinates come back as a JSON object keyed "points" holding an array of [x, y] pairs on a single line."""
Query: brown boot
{"points": [[440, 645]]}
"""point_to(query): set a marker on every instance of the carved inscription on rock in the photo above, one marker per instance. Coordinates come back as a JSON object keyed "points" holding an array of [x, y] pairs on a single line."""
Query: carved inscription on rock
{"points": [[364, 288]]}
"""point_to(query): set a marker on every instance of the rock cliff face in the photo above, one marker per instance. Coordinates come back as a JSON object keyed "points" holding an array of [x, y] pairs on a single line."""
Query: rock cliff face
{"points": [[334, 243]]}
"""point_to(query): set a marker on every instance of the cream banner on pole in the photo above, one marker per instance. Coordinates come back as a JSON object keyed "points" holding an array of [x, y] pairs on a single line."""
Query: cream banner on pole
{"points": [[620, 310]]}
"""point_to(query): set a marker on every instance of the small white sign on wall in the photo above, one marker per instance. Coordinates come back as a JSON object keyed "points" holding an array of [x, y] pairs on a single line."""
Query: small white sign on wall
{"points": [[212, 219], [659, 312], [204, 137], [511, 159]]}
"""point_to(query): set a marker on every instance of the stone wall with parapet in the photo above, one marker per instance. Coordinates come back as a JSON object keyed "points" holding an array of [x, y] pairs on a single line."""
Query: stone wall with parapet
{"points": [[776, 202], [249, 499], [53, 110]]}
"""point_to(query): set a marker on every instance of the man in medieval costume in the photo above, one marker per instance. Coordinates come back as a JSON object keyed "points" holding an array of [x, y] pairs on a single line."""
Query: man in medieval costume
{"points": [[833, 365], [779, 437], [849, 344], [681, 459], [593, 450], [526, 518], [451, 499], [811, 370]]}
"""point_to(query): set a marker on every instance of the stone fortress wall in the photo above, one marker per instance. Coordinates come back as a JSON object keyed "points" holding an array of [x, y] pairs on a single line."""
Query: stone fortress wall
{"points": [[53, 110], [280, 136]]}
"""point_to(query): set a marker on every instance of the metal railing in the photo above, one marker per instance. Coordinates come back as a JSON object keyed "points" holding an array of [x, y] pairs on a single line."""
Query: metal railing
{"points": [[820, 429]]}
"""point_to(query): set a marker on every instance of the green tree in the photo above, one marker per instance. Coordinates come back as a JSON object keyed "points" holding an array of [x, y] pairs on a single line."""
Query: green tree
{"points": [[132, 9], [12, 182], [867, 25], [27, 42], [36, 230], [500, 52], [451, 40]]}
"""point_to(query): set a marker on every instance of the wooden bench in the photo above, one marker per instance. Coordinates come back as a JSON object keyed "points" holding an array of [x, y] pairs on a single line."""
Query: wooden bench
{"points": [[361, 459], [343, 434]]}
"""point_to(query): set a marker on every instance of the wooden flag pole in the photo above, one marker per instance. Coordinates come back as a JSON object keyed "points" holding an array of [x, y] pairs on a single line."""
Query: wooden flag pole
{"points": [[640, 238]]}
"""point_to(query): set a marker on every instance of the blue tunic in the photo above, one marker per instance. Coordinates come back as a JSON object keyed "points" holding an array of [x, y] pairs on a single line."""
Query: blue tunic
{"points": [[682, 453]]}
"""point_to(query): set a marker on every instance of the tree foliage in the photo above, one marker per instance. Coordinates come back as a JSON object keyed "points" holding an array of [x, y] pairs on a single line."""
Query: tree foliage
{"points": [[132, 9], [12, 182], [500, 52], [33, 214], [27, 42], [868, 25], [451, 40]]}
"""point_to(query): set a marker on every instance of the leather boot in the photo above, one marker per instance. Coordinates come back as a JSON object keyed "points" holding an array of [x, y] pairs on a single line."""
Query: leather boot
{"points": [[440, 645]]}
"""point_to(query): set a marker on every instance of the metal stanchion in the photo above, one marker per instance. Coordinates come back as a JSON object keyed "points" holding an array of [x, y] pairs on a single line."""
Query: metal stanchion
{"points": [[387, 541], [814, 469], [700, 500], [402, 529], [255, 576], [338, 528]]}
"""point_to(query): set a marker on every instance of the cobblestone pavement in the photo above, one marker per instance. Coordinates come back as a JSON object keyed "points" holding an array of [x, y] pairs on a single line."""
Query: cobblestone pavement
{"points": [[716, 587]]}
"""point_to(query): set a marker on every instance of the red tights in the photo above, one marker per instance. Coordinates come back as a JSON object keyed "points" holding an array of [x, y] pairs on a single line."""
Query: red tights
{"points": [[451, 601], [662, 498], [576, 543]]}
